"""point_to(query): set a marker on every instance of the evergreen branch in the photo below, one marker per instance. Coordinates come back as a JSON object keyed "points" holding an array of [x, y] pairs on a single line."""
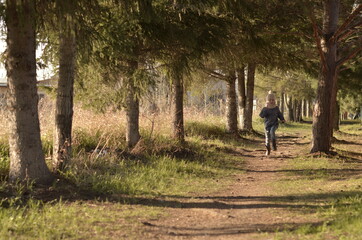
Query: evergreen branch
{"points": [[351, 54], [345, 26], [349, 32]]}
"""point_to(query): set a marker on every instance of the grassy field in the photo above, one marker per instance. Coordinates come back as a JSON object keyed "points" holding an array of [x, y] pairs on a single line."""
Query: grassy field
{"points": [[96, 196]]}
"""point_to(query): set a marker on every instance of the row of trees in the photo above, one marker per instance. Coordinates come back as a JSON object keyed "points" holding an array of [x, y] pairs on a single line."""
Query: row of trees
{"points": [[122, 45]]}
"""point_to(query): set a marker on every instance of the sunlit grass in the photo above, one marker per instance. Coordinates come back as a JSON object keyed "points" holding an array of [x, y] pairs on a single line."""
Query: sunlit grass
{"points": [[71, 220], [351, 127], [330, 187]]}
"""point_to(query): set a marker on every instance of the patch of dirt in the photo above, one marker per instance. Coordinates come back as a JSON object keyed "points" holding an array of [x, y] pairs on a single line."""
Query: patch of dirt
{"points": [[247, 209]]}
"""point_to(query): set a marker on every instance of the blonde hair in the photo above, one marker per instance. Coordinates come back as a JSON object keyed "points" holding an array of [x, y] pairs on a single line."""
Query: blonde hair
{"points": [[270, 96]]}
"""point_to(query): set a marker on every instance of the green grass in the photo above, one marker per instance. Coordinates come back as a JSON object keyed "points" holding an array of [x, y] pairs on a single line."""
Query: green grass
{"points": [[102, 191], [151, 176], [161, 167], [330, 188], [4, 160], [70, 220], [205, 130], [351, 127]]}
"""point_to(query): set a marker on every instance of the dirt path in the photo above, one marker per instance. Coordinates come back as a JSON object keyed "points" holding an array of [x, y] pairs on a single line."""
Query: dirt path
{"points": [[247, 209]]}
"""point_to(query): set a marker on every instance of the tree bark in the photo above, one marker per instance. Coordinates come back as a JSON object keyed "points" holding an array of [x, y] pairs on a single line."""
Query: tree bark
{"points": [[177, 108], [132, 110], [304, 108], [250, 97], [242, 96], [231, 109], [336, 119], [323, 111], [289, 104], [26, 155], [299, 111], [62, 148], [282, 103], [310, 109], [334, 107], [295, 105]]}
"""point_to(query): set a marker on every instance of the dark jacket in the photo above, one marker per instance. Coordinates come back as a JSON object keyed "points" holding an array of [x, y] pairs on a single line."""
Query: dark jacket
{"points": [[271, 116]]}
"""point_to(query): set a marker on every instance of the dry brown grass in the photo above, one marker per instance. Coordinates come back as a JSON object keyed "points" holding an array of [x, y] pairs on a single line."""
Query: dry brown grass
{"points": [[112, 122]]}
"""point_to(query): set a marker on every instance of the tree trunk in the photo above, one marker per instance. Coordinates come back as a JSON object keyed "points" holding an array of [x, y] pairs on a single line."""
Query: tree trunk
{"points": [[231, 109], [250, 97], [298, 110], [26, 155], [62, 148], [132, 110], [295, 105], [336, 119], [282, 103], [289, 104], [334, 108], [242, 96], [177, 108], [310, 109], [322, 114], [304, 108]]}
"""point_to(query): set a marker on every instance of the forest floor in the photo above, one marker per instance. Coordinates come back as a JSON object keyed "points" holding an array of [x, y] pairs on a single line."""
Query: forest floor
{"points": [[249, 208]]}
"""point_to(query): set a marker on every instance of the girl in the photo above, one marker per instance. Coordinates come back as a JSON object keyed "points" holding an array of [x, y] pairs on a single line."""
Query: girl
{"points": [[271, 113]]}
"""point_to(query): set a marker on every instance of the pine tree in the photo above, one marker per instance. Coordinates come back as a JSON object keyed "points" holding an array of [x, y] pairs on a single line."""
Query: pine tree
{"points": [[27, 161]]}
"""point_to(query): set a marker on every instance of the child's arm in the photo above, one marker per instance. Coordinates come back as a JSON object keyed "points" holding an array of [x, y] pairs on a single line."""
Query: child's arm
{"points": [[281, 117], [262, 113]]}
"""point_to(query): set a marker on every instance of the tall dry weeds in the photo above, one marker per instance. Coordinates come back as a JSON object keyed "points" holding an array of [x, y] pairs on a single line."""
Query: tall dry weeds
{"points": [[112, 124]]}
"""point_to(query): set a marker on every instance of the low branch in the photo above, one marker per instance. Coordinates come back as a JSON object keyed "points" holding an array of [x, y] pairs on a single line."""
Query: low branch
{"points": [[214, 74]]}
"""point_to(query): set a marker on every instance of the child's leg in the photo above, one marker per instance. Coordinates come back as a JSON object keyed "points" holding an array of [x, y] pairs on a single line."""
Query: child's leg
{"points": [[273, 137], [267, 137], [267, 141]]}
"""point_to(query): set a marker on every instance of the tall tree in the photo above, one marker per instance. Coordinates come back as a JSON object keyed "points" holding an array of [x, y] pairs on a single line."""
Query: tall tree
{"points": [[62, 146], [132, 107], [231, 103], [188, 31], [248, 123], [241, 96], [26, 156], [322, 117], [120, 52], [176, 76], [328, 40]]}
